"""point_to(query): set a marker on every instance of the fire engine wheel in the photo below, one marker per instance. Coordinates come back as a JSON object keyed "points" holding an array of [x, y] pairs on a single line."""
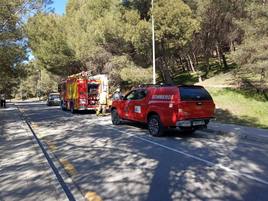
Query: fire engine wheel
{"points": [[155, 126], [72, 109], [115, 117], [62, 106]]}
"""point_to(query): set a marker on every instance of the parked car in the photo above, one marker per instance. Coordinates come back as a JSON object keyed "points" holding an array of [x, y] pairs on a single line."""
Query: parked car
{"points": [[186, 108], [53, 99]]}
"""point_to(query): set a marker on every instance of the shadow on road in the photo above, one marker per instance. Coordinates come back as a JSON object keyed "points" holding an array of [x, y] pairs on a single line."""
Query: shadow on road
{"points": [[24, 173], [125, 163]]}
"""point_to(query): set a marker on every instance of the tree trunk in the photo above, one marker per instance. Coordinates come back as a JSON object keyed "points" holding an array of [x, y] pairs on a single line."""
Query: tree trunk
{"points": [[199, 78], [225, 65], [219, 54], [182, 64], [232, 46], [173, 65], [181, 60], [188, 65], [165, 69], [191, 63], [159, 67], [195, 59], [207, 67]]}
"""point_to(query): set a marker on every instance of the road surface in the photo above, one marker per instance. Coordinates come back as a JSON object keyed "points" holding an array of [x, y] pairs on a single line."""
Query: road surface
{"points": [[124, 162]]}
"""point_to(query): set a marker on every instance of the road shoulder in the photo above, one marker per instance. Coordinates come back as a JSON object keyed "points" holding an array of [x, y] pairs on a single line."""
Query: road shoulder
{"points": [[24, 172], [243, 132]]}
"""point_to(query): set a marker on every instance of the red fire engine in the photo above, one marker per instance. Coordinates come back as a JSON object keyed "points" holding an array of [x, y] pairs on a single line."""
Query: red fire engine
{"points": [[82, 91]]}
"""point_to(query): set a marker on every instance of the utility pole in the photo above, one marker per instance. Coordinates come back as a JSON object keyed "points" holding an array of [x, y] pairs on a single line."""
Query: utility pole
{"points": [[153, 44]]}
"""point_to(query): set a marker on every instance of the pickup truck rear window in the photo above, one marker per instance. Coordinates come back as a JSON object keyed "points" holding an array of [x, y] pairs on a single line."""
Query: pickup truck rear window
{"points": [[193, 93]]}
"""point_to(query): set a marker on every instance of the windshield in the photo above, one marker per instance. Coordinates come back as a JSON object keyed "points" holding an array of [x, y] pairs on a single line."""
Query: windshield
{"points": [[54, 96], [193, 93]]}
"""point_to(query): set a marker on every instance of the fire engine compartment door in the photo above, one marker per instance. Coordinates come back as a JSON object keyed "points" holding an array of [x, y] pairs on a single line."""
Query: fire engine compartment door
{"points": [[82, 88], [93, 91], [72, 90]]}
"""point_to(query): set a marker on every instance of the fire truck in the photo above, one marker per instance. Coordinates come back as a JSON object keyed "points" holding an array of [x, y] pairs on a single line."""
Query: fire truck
{"points": [[82, 91]]}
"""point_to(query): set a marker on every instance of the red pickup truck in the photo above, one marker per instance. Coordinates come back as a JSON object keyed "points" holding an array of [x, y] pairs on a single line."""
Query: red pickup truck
{"points": [[184, 107]]}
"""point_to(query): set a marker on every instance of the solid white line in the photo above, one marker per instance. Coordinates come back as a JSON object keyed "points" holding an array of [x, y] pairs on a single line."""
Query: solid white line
{"points": [[220, 166]]}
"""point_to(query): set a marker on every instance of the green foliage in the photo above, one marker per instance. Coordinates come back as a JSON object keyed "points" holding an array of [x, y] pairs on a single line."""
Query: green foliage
{"points": [[193, 38], [48, 83], [100, 37], [186, 78], [252, 54], [123, 70], [95, 39], [217, 27], [13, 45], [11, 52], [137, 32], [93, 35], [174, 27], [47, 40], [142, 6], [115, 37], [126, 71], [247, 109], [174, 23], [37, 82], [135, 75]]}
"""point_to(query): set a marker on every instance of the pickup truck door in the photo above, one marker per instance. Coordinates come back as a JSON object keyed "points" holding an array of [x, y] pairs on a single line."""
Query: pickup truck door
{"points": [[140, 106], [128, 108]]}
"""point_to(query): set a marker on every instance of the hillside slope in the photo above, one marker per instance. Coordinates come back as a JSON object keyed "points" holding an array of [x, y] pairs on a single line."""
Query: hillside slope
{"points": [[236, 105]]}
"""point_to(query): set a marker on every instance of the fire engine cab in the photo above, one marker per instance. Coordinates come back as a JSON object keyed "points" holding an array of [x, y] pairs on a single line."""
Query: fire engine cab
{"points": [[184, 107], [82, 91]]}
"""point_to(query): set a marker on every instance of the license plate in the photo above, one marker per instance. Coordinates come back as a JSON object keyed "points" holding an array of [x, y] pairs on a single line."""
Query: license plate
{"points": [[198, 123]]}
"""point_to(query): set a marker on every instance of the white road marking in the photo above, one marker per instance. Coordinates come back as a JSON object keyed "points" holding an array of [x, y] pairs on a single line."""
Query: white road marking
{"points": [[103, 122], [220, 166]]}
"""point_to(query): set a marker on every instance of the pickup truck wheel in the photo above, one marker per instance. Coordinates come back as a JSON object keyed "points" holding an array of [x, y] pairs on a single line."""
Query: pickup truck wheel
{"points": [[115, 117], [155, 126], [188, 131]]}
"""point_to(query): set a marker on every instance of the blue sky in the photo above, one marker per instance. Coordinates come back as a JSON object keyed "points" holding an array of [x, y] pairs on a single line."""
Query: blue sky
{"points": [[59, 6]]}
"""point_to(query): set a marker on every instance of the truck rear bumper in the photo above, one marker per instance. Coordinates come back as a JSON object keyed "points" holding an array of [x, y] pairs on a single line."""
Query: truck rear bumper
{"points": [[86, 107], [90, 108]]}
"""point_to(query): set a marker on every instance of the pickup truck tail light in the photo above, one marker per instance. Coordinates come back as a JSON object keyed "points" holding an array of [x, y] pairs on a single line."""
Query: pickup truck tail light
{"points": [[182, 113]]}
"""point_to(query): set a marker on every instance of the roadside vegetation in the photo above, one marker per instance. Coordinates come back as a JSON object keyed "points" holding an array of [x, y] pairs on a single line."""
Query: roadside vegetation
{"points": [[220, 44], [240, 107]]}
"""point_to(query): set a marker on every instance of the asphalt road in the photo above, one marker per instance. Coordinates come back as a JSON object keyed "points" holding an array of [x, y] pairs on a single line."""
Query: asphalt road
{"points": [[107, 162]]}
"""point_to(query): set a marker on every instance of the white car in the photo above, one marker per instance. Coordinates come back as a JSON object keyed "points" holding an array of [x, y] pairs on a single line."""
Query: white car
{"points": [[53, 99]]}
